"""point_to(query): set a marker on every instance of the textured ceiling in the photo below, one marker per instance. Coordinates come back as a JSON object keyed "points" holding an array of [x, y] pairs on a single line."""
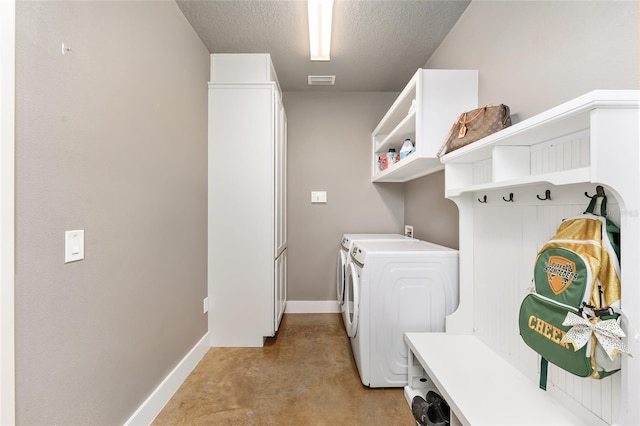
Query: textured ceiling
{"points": [[376, 46]]}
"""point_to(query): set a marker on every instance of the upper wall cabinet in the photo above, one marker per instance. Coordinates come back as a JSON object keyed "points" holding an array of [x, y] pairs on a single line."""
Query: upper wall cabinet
{"points": [[424, 112], [243, 68]]}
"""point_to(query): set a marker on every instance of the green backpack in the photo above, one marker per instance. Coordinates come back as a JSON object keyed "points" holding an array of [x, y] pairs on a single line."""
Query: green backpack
{"points": [[576, 283]]}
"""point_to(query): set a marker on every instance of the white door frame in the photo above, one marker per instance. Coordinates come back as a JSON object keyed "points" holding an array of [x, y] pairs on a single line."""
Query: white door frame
{"points": [[7, 188]]}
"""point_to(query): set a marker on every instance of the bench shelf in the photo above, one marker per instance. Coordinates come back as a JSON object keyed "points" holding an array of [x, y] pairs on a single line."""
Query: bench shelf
{"points": [[480, 386]]}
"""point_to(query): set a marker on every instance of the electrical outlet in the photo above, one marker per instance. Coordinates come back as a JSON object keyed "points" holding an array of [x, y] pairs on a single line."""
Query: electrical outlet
{"points": [[408, 231], [205, 305]]}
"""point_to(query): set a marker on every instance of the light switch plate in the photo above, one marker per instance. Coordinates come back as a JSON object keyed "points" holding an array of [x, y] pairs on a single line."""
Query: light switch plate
{"points": [[318, 196], [73, 245]]}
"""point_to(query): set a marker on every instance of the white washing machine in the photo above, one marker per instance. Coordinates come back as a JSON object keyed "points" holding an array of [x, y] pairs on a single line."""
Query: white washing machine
{"points": [[394, 287], [343, 257]]}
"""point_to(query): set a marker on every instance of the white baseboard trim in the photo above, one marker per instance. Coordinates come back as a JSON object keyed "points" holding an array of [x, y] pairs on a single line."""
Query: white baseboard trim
{"points": [[151, 407], [312, 307]]}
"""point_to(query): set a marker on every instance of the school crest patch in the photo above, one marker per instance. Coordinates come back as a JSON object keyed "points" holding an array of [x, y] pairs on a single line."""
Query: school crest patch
{"points": [[560, 273]]}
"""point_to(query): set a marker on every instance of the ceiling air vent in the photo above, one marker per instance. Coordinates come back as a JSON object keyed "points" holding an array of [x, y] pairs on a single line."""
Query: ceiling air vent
{"points": [[322, 80]]}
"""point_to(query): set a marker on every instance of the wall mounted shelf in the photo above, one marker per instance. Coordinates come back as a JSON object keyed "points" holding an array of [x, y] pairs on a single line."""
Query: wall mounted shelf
{"points": [[423, 112]]}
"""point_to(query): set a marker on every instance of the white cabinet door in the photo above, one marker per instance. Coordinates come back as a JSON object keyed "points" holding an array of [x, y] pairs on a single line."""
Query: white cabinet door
{"points": [[280, 155], [280, 287], [240, 210], [283, 214]]}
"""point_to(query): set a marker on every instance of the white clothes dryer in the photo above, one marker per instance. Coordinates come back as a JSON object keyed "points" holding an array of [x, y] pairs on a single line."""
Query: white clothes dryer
{"points": [[343, 257], [392, 288]]}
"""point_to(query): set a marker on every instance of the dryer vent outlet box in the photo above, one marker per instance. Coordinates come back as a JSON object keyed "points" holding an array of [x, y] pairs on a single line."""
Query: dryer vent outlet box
{"points": [[408, 231]]}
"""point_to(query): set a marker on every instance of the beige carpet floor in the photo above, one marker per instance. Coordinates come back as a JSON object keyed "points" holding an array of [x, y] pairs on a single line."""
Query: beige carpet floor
{"points": [[305, 375]]}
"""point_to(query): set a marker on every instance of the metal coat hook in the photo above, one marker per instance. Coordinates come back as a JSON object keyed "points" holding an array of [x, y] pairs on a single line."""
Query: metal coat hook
{"points": [[510, 200], [483, 200], [599, 192], [547, 195]]}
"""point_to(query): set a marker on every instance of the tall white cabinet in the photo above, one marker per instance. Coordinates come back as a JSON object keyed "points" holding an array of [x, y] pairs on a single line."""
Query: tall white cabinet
{"points": [[247, 232]]}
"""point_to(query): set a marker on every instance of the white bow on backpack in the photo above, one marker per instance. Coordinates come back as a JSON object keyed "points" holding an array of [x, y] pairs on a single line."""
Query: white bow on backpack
{"points": [[608, 333]]}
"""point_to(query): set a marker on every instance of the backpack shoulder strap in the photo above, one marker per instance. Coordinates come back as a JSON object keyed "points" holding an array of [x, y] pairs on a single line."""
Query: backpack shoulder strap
{"points": [[544, 365], [591, 208]]}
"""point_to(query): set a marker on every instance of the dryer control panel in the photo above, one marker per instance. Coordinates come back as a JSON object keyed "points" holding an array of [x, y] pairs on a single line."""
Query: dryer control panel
{"points": [[358, 255]]}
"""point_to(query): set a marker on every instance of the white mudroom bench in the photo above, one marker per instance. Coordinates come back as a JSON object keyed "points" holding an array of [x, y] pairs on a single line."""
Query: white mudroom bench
{"points": [[513, 189], [479, 385]]}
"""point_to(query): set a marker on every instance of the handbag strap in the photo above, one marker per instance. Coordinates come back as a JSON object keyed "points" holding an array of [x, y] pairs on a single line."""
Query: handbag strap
{"points": [[476, 115]]}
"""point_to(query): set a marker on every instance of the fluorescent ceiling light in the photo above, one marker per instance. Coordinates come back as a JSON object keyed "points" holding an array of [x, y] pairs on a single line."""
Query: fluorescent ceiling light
{"points": [[320, 13]]}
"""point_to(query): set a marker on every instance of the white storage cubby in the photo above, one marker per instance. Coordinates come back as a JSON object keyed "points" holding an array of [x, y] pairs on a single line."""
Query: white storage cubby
{"points": [[499, 185], [551, 147], [424, 112]]}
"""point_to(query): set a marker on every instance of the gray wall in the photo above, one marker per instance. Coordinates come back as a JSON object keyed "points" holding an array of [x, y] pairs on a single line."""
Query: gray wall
{"points": [[110, 138], [433, 217], [330, 150], [531, 55]]}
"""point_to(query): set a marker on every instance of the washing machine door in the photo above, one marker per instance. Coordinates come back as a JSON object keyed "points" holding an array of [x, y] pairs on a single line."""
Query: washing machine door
{"points": [[340, 275], [351, 299]]}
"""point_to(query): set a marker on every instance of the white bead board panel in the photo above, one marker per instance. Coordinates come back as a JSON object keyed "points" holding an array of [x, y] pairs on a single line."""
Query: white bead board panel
{"points": [[515, 231], [564, 153], [483, 171]]}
